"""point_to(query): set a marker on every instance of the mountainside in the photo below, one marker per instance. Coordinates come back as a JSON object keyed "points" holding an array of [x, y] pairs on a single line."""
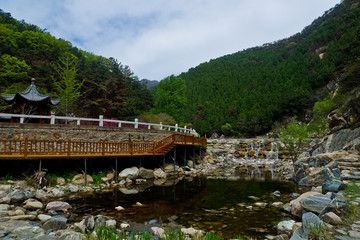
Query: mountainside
{"points": [[256, 87], [109, 88]]}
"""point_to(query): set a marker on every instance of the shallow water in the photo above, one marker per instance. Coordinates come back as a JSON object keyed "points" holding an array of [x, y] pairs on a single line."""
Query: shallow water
{"points": [[216, 205]]}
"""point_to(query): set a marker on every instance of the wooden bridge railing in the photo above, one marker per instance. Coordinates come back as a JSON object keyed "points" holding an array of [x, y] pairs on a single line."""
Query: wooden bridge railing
{"points": [[29, 148]]}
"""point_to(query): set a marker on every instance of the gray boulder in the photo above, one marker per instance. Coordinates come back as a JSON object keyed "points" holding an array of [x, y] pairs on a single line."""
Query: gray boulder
{"points": [[315, 203], [55, 223], [333, 186], [17, 196], [131, 173], [29, 232], [309, 221], [146, 173], [57, 206]]}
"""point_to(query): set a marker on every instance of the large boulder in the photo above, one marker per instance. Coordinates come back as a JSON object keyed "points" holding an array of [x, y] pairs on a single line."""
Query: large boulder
{"points": [[146, 173], [314, 171], [309, 221], [296, 208], [333, 186], [315, 203], [17, 196], [55, 223], [322, 204], [79, 179], [130, 173], [33, 204], [159, 173], [57, 206], [41, 195]]}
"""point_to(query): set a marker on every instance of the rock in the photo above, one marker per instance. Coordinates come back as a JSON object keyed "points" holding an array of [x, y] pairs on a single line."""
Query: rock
{"points": [[4, 207], [131, 173], [55, 223], [191, 232], [146, 173], [128, 191], [110, 223], [32, 204], [190, 164], [79, 179], [159, 173], [80, 226], [41, 195], [57, 206], [109, 177], [309, 221], [24, 217], [333, 186], [331, 218], [5, 200], [100, 221], [260, 204], [119, 208], [60, 181], [315, 203], [19, 212], [157, 231], [73, 189], [5, 187], [285, 227], [89, 222], [170, 169], [29, 232], [17, 196], [69, 235], [276, 193], [296, 208], [57, 193], [354, 234], [277, 204], [43, 217], [124, 225]]}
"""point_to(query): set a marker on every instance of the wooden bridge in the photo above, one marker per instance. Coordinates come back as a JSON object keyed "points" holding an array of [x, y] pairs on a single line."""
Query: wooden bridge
{"points": [[11, 149]]}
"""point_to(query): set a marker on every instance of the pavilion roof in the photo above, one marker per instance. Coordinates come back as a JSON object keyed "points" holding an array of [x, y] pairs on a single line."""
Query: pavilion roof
{"points": [[30, 94]]}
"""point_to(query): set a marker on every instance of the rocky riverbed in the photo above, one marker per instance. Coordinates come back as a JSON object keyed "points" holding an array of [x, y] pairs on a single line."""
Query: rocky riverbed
{"points": [[28, 212]]}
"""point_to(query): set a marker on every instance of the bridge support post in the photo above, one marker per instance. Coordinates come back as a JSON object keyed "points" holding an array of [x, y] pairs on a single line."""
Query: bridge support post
{"points": [[39, 165], [200, 152], [85, 171], [164, 161], [116, 170], [194, 154], [185, 157], [174, 159]]}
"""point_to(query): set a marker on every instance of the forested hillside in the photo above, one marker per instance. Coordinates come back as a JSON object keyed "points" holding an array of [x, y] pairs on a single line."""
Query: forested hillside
{"points": [[109, 88], [252, 89]]}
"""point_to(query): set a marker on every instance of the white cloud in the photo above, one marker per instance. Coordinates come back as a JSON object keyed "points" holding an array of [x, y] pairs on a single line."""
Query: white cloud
{"points": [[160, 37]]}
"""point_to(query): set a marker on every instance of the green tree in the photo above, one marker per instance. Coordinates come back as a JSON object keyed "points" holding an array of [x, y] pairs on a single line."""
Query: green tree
{"points": [[66, 86], [294, 136], [170, 97]]}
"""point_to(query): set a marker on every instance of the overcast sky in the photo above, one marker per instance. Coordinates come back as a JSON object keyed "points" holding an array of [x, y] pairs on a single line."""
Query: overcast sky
{"points": [[157, 38]]}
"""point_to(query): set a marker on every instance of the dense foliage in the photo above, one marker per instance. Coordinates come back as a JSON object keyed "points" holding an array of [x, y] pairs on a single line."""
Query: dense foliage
{"points": [[246, 92], [109, 88]]}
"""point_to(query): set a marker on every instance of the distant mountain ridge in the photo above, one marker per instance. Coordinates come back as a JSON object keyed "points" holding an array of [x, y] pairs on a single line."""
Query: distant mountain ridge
{"points": [[149, 83], [252, 89]]}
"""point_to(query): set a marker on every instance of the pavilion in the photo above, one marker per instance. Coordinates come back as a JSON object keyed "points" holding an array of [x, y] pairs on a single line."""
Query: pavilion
{"points": [[30, 101]]}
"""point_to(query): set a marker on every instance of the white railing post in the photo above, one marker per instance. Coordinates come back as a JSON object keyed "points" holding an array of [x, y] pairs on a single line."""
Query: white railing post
{"points": [[52, 120], [160, 125], [22, 119], [101, 122], [119, 124], [78, 122], [184, 129], [149, 126], [176, 127], [136, 123]]}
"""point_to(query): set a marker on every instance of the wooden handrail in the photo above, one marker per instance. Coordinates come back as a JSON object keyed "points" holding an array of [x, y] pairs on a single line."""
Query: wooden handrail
{"points": [[30, 148]]}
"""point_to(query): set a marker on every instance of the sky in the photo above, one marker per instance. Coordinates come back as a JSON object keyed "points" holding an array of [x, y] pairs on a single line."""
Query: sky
{"points": [[157, 38]]}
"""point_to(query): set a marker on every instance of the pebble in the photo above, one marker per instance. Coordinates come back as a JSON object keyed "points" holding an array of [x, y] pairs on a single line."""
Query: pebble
{"points": [[354, 234]]}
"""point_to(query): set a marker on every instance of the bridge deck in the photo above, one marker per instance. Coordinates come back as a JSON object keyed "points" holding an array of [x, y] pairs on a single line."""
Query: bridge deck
{"points": [[51, 149]]}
